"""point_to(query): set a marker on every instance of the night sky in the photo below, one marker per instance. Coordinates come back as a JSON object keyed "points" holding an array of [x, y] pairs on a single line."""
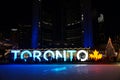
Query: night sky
{"points": [[15, 12], [20, 12], [110, 9]]}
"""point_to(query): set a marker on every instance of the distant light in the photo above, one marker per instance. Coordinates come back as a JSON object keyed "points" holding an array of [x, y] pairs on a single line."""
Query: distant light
{"points": [[72, 44], [78, 22], [47, 23], [68, 24], [14, 29], [39, 24], [82, 17], [101, 18], [73, 23], [82, 31]]}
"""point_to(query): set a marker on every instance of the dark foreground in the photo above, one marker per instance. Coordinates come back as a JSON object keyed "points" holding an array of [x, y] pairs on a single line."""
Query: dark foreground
{"points": [[60, 72]]}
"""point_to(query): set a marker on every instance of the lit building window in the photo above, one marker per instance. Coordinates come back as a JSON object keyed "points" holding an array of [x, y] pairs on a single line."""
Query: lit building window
{"points": [[82, 17], [14, 29]]}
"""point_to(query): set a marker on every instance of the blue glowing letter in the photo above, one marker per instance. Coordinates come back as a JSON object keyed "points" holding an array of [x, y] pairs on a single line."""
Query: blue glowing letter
{"points": [[15, 53], [71, 53], [25, 52], [36, 54], [64, 55], [58, 54], [46, 52]]}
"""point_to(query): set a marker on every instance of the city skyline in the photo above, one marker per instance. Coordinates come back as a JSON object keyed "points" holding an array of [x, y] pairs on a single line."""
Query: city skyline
{"points": [[20, 13]]}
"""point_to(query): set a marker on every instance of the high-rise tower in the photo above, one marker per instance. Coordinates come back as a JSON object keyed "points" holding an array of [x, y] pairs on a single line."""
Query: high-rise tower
{"points": [[35, 23], [61, 23]]}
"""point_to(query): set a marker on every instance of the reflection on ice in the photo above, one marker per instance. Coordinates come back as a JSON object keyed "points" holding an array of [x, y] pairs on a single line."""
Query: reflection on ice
{"points": [[60, 72], [78, 65], [59, 69]]}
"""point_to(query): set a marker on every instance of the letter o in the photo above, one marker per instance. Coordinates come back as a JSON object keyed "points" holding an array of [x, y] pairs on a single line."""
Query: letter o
{"points": [[82, 51], [46, 52]]}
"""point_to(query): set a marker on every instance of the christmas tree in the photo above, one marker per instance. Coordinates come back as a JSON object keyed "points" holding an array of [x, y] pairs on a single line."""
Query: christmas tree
{"points": [[110, 51]]}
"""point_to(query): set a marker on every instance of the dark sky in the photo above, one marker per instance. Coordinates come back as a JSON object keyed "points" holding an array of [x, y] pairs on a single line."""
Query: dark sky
{"points": [[20, 12], [111, 14], [14, 12]]}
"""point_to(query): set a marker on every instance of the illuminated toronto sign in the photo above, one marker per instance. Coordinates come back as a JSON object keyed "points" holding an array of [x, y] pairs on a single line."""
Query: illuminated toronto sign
{"points": [[81, 55]]}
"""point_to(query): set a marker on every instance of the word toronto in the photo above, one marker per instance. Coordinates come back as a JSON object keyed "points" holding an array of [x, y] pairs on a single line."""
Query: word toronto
{"points": [[81, 55]]}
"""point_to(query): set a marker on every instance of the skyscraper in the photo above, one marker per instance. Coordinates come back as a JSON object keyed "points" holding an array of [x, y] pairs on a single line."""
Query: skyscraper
{"points": [[62, 23]]}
